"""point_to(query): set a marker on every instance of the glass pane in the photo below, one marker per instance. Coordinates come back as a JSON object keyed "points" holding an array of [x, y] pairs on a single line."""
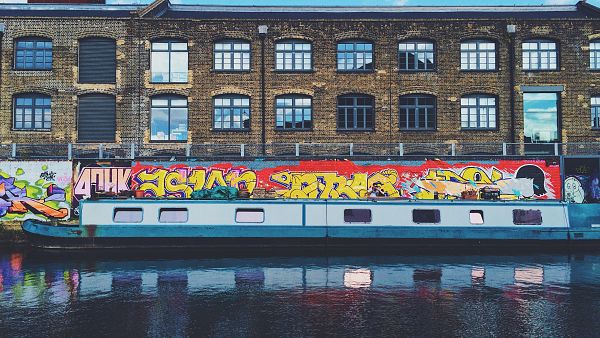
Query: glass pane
{"points": [[159, 124], [179, 67], [541, 117], [179, 122], [160, 67]]}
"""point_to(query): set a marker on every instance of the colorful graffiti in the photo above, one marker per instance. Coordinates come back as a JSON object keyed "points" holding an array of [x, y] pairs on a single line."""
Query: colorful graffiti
{"points": [[431, 179], [38, 190]]}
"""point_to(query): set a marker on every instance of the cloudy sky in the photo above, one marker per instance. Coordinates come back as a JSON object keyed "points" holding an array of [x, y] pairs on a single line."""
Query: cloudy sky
{"points": [[357, 2]]}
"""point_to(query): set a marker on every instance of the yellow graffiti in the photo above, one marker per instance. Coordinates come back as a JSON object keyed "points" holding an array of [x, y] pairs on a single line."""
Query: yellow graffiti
{"points": [[333, 185], [182, 182]]}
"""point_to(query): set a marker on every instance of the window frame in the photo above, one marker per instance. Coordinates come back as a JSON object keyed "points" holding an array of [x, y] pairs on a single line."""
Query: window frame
{"points": [[596, 53], [538, 41], [137, 209], [33, 96], [294, 42], [416, 41], [169, 51], [34, 39], [294, 97], [401, 110], [348, 214], [355, 107], [436, 213], [479, 96], [595, 108], [355, 52], [232, 42], [232, 97], [516, 212], [256, 210], [187, 215], [478, 53], [479, 212], [169, 98]]}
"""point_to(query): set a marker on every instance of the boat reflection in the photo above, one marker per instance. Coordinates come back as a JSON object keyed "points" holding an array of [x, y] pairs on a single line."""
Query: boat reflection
{"points": [[61, 282]]}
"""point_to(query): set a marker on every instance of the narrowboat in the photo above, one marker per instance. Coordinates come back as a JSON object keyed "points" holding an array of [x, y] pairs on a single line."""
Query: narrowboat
{"points": [[297, 223]]}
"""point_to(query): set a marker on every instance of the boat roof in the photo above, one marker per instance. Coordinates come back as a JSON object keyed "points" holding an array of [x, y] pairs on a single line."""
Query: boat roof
{"points": [[165, 9]]}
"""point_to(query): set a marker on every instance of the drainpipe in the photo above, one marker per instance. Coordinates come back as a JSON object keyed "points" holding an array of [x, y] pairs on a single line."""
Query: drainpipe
{"points": [[262, 33], [511, 30]]}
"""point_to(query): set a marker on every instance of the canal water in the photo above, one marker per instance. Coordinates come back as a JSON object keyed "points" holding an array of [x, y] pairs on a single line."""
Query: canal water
{"points": [[77, 295]]}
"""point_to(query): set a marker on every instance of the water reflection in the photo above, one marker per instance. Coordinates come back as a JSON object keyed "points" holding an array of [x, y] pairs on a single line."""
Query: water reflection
{"points": [[383, 295]]}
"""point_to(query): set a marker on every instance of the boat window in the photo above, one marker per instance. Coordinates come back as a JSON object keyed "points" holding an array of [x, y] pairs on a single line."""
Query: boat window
{"points": [[426, 215], [357, 215], [527, 216], [173, 215], [249, 215], [128, 215], [476, 216]]}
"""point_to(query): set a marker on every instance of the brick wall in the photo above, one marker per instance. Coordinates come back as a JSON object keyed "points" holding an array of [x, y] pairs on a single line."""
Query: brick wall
{"points": [[448, 83]]}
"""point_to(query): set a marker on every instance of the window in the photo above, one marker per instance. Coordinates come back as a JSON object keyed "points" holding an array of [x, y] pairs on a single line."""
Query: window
{"points": [[478, 55], [355, 56], [128, 215], [478, 112], [232, 112], [232, 55], [33, 54], [540, 117], [357, 216], [96, 118], [527, 217], [293, 112], [169, 61], [355, 112], [426, 216], [596, 112], [249, 216], [476, 216], [169, 118], [173, 215], [416, 55], [97, 60], [540, 55], [293, 55], [417, 112], [595, 54], [32, 112]]}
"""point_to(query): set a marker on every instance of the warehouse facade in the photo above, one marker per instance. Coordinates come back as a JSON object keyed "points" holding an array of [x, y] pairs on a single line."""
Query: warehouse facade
{"points": [[168, 74]]}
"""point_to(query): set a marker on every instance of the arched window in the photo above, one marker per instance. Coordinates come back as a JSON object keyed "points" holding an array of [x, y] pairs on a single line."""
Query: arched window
{"points": [[293, 55], [96, 118], [595, 54], [417, 112], [169, 118], [169, 61], [293, 112], [232, 55], [33, 53], [231, 112], [595, 108], [32, 111], [355, 55], [416, 55], [540, 55], [478, 111], [478, 55], [355, 112]]}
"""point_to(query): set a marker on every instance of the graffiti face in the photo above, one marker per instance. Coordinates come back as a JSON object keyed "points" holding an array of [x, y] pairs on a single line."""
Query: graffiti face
{"points": [[574, 192], [32, 190]]}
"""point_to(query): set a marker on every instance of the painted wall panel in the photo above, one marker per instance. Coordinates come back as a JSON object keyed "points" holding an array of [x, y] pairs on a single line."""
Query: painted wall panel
{"points": [[35, 190]]}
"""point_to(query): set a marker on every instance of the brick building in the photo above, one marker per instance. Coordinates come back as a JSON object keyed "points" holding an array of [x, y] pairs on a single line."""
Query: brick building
{"points": [[167, 73]]}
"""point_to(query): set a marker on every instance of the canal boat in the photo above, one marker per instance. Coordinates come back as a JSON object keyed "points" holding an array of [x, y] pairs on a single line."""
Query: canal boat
{"points": [[298, 223]]}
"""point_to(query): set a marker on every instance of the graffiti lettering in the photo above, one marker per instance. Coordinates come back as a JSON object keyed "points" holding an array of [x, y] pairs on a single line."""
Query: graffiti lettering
{"points": [[106, 179], [180, 182], [48, 176]]}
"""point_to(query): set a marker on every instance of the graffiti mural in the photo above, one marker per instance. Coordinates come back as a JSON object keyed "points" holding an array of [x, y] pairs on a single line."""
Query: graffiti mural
{"points": [[35, 190], [345, 179], [105, 176]]}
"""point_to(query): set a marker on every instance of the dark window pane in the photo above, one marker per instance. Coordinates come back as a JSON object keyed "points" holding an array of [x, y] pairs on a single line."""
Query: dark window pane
{"points": [[527, 217], [426, 216], [357, 216]]}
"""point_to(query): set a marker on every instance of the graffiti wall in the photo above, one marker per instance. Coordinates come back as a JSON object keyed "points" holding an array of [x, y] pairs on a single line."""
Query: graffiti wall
{"points": [[35, 189], [582, 180], [513, 179]]}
